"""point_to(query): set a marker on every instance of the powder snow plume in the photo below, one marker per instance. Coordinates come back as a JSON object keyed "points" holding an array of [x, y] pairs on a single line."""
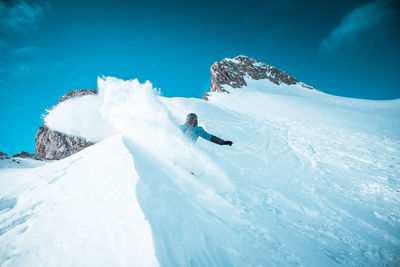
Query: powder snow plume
{"points": [[135, 110], [119, 107]]}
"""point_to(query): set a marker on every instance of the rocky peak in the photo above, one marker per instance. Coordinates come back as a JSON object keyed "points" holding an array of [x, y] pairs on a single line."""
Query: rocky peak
{"points": [[55, 145], [232, 72]]}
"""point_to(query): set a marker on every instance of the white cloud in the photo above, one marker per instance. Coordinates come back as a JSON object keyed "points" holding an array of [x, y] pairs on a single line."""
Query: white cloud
{"points": [[358, 21], [16, 16]]}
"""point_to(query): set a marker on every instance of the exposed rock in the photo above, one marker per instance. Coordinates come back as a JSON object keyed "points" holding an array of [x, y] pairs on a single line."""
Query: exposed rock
{"points": [[25, 154], [3, 156], [76, 93], [205, 96], [56, 145], [232, 72]]}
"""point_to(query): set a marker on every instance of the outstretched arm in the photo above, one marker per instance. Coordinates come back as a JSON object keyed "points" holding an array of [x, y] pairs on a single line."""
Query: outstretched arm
{"points": [[219, 141], [213, 138]]}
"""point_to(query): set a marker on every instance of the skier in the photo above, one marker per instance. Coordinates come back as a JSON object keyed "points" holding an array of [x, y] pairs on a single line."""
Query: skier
{"points": [[192, 131]]}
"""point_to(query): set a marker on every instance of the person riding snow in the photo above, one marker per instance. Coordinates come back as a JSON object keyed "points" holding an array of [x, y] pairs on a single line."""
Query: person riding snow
{"points": [[192, 131]]}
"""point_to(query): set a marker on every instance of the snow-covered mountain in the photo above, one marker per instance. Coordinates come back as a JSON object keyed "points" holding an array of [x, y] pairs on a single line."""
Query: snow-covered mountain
{"points": [[231, 73], [311, 179]]}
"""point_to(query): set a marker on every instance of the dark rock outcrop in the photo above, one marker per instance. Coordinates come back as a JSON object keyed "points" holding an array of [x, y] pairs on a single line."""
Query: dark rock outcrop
{"points": [[25, 154], [6, 158], [55, 145], [232, 72], [3, 156], [77, 93]]}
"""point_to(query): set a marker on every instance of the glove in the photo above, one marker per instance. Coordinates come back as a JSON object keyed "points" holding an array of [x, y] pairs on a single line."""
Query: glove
{"points": [[229, 143]]}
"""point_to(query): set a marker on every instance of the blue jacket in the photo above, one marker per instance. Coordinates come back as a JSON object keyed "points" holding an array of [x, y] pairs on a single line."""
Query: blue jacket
{"points": [[193, 133]]}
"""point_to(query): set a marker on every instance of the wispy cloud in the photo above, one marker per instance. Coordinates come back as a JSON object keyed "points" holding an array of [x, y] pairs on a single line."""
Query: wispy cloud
{"points": [[17, 15], [17, 62], [26, 51], [358, 21]]}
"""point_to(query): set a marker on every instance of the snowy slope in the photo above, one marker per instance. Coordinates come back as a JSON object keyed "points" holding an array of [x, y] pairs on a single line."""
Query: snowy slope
{"points": [[311, 179], [81, 211]]}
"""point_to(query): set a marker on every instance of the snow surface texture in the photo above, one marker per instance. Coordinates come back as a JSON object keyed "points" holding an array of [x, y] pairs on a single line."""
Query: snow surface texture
{"points": [[311, 180]]}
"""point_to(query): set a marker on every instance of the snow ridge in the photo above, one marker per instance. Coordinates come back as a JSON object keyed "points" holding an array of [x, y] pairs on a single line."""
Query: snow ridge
{"points": [[311, 179]]}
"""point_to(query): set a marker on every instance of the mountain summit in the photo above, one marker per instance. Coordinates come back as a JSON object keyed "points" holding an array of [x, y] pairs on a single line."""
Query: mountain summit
{"points": [[233, 72]]}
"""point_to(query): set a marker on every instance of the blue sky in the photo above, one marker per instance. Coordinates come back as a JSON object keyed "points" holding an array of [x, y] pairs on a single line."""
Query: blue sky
{"points": [[347, 48]]}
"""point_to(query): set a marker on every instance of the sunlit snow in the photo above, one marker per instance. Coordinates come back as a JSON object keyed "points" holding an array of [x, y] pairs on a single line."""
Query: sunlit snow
{"points": [[311, 180]]}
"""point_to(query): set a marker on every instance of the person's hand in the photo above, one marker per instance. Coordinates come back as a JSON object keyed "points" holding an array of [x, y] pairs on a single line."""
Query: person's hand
{"points": [[229, 143]]}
